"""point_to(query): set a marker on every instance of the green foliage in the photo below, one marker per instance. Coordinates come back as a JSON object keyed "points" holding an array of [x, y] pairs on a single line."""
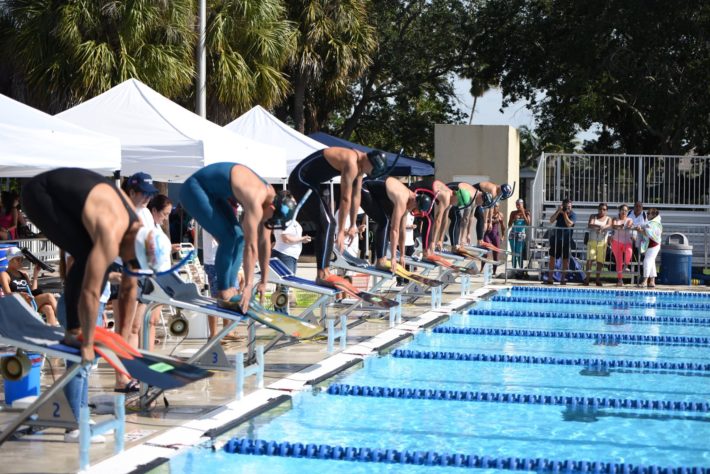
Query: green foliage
{"points": [[333, 47], [248, 45], [71, 50], [637, 68], [409, 86]]}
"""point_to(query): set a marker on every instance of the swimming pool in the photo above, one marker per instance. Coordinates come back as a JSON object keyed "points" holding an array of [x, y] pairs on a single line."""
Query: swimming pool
{"points": [[545, 380]]}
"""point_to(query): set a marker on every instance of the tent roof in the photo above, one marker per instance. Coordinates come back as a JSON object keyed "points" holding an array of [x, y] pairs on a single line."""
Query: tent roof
{"points": [[405, 166], [167, 141], [258, 124], [33, 142]]}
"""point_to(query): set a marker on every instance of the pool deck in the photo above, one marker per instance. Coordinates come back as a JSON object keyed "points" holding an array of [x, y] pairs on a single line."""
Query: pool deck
{"points": [[152, 436]]}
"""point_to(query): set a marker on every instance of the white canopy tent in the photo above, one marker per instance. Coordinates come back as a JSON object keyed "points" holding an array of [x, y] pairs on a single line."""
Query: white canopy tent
{"points": [[260, 125], [166, 140], [33, 141]]}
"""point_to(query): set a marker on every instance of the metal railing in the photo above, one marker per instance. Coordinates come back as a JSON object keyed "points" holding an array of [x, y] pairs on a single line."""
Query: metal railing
{"points": [[678, 182]]}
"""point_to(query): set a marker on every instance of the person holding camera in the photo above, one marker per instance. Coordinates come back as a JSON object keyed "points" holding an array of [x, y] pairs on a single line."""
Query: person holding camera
{"points": [[564, 219]]}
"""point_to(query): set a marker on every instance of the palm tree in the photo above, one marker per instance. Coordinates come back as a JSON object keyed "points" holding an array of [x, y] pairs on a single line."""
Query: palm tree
{"points": [[71, 50], [334, 47], [248, 45]]}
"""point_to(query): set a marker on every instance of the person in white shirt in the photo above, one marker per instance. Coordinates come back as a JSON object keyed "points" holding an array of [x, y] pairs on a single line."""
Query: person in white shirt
{"points": [[408, 242], [638, 219], [289, 244]]}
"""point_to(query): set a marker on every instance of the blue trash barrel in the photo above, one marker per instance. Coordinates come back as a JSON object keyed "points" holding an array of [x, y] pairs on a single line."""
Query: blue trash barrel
{"points": [[676, 260]]}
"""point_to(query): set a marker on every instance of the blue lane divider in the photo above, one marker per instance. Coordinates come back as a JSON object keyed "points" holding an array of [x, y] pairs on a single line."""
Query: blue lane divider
{"points": [[614, 304], [260, 447], [525, 359], [498, 397], [597, 336], [635, 293], [611, 318]]}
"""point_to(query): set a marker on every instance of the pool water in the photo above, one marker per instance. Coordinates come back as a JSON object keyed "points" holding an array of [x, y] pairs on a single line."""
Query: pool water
{"points": [[501, 430]]}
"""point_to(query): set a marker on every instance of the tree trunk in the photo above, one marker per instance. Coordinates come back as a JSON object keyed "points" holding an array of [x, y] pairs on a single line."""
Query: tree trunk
{"points": [[299, 99], [473, 110]]}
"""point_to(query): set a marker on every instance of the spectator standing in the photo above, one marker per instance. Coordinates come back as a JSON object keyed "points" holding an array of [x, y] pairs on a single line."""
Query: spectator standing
{"points": [[564, 219], [288, 247], [598, 226], [650, 233], [409, 242], [289, 244], [622, 241], [517, 222], [159, 207], [495, 228], [638, 218], [139, 189]]}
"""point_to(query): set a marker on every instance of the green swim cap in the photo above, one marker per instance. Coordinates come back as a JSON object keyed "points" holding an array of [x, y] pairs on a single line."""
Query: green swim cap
{"points": [[464, 197]]}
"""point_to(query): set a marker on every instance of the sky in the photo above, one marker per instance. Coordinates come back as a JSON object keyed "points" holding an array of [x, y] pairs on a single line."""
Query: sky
{"points": [[488, 110]]}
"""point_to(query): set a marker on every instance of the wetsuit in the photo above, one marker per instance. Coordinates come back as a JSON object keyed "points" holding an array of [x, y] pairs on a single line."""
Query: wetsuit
{"points": [[54, 202], [428, 185], [455, 216], [378, 206], [479, 214], [205, 195], [309, 174]]}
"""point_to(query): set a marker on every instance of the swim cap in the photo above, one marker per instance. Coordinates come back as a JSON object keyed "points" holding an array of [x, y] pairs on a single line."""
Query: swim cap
{"points": [[505, 191], [284, 208], [463, 197], [424, 204], [152, 250], [378, 160]]}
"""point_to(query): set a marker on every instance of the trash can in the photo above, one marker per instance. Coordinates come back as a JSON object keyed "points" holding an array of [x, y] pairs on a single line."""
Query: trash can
{"points": [[676, 260]]}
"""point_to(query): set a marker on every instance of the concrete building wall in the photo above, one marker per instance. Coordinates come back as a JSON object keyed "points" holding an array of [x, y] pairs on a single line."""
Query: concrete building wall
{"points": [[475, 153]]}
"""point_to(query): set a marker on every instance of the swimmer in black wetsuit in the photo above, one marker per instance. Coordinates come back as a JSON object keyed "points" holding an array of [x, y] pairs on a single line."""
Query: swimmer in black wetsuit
{"points": [[387, 202], [487, 195], [321, 167], [433, 230], [85, 214]]}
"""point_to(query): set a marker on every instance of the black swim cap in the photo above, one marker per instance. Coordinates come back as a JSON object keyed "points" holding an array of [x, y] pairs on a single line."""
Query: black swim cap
{"points": [[424, 203], [284, 208], [378, 160]]}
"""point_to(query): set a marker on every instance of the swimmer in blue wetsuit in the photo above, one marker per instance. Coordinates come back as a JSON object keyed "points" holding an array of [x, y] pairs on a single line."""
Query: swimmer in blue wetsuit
{"points": [[206, 195], [320, 167]]}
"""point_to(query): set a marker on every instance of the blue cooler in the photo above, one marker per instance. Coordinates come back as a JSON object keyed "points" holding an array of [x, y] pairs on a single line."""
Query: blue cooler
{"points": [[27, 385], [676, 261]]}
